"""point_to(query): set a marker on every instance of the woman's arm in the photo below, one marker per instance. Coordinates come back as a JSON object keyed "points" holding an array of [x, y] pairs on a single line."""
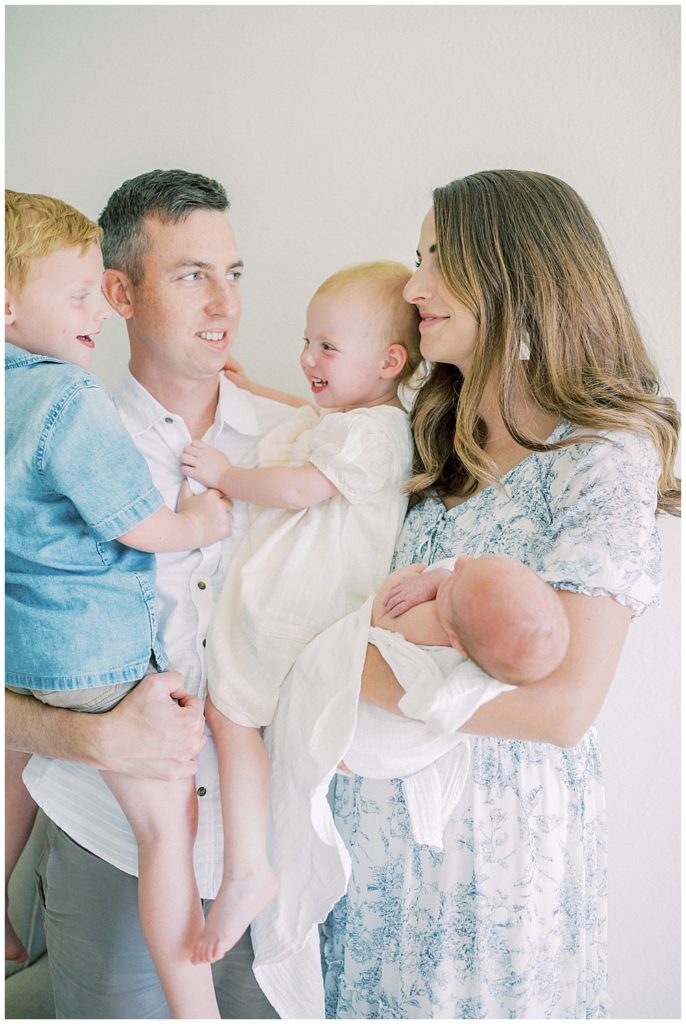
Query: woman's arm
{"points": [[558, 709], [147, 735]]}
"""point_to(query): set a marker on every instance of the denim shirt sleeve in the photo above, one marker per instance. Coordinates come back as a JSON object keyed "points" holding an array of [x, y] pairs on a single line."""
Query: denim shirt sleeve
{"points": [[85, 454]]}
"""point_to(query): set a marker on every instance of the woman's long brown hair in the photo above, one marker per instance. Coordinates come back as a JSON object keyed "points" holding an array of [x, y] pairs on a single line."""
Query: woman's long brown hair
{"points": [[523, 253]]}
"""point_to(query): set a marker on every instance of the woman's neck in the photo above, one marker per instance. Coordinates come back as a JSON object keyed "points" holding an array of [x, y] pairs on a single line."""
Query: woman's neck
{"points": [[500, 446], [528, 416]]}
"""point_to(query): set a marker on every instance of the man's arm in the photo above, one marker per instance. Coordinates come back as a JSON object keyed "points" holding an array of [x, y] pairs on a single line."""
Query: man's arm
{"points": [[147, 735]]}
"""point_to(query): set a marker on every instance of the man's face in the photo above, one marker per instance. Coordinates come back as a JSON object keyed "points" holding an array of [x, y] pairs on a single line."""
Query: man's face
{"points": [[187, 305]]}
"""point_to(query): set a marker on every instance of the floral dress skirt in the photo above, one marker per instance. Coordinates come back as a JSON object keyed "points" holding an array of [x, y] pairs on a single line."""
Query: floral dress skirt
{"points": [[509, 920]]}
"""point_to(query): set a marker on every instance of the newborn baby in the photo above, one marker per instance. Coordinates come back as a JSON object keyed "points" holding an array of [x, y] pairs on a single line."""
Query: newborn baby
{"points": [[492, 609]]}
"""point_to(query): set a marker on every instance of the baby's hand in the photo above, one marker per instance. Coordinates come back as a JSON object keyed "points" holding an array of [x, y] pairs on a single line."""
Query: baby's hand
{"points": [[235, 372], [204, 463], [410, 589]]}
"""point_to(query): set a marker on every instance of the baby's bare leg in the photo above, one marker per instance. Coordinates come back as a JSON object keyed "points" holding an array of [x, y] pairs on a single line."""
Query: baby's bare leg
{"points": [[163, 816], [20, 813], [249, 884]]}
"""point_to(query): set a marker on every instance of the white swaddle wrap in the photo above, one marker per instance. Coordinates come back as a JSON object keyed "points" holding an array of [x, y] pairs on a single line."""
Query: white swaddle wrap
{"points": [[314, 728]]}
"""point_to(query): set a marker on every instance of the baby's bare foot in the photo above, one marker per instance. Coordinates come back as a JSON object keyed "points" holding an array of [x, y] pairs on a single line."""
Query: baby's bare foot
{"points": [[238, 902], [14, 947]]}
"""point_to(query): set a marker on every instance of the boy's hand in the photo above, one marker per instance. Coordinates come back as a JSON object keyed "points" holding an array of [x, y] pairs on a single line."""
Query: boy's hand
{"points": [[204, 463], [235, 372], [209, 512], [410, 587]]}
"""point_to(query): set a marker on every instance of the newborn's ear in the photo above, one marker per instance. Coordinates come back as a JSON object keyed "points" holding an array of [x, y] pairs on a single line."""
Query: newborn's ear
{"points": [[454, 641], [395, 358]]}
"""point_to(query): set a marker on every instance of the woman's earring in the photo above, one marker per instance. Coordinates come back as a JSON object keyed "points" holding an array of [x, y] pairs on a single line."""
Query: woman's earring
{"points": [[524, 342]]}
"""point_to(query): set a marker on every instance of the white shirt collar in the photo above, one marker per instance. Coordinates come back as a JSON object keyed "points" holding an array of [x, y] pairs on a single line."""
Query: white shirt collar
{"points": [[140, 411]]}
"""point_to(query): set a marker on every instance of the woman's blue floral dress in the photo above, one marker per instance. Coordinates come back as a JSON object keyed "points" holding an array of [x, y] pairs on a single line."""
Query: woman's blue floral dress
{"points": [[510, 920]]}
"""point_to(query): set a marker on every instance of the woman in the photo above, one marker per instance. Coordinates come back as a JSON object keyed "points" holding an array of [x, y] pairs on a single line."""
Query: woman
{"points": [[539, 434]]}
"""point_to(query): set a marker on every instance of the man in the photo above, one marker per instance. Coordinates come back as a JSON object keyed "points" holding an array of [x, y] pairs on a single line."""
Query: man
{"points": [[173, 272]]}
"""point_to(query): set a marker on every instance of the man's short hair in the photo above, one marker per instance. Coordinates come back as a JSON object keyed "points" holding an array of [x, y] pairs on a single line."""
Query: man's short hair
{"points": [[36, 226], [166, 195]]}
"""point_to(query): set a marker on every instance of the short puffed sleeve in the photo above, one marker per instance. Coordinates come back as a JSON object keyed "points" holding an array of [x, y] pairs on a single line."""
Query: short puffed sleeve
{"points": [[365, 453], [603, 538], [86, 455]]}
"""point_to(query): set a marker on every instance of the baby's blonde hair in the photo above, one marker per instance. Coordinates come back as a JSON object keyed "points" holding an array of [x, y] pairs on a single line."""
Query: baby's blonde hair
{"points": [[36, 226], [384, 281]]}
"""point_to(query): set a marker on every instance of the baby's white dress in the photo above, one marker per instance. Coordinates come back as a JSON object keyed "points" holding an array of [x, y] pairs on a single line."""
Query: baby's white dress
{"points": [[297, 571]]}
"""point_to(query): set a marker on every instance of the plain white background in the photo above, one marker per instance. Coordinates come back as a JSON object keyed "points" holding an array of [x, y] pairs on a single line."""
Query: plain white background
{"points": [[330, 126]]}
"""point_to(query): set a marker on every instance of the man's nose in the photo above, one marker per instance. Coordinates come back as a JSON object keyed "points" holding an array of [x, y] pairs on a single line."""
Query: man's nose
{"points": [[225, 300]]}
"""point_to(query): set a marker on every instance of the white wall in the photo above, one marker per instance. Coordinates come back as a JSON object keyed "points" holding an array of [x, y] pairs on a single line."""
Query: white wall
{"points": [[330, 126]]}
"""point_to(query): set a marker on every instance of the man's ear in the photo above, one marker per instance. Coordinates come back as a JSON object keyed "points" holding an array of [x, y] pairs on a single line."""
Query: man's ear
{"points": [[10, 309], [395, 358], [118, 290]]}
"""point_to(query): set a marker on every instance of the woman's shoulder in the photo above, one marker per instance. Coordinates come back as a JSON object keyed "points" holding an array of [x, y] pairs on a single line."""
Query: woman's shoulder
{"points": [[612, 452]]}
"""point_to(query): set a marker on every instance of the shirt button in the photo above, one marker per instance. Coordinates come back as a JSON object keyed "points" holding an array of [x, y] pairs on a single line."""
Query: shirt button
{"points": [[204, 643], [168, 419], [201, 585], [201, 791]]}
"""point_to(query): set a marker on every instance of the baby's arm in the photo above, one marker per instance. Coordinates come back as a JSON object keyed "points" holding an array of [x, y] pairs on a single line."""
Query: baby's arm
{"points": [[199, 520], [235, 372], [291, 487], [404, 589], [413, 613]]}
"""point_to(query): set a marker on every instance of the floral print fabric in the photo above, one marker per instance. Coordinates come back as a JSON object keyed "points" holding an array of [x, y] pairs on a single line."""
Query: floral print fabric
{"points": [[510, 920]]}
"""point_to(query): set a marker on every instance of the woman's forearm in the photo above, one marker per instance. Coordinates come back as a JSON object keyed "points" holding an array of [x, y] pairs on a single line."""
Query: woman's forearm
{"points": [[556, 710]]}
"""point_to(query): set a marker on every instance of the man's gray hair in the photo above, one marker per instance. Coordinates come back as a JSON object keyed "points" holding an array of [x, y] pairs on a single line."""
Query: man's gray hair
{"points": [[166, 195]]}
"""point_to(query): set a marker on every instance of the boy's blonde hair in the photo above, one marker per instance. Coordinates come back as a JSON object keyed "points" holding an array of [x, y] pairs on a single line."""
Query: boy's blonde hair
{"points": [[36, 226], [384, 280]]}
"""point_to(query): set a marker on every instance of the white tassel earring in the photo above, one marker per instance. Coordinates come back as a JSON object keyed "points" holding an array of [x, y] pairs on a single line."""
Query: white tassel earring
{"points": [[524, 342]]}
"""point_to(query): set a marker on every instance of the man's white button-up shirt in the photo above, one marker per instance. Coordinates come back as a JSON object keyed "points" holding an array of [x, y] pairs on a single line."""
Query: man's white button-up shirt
{"points": [[188, 584]]}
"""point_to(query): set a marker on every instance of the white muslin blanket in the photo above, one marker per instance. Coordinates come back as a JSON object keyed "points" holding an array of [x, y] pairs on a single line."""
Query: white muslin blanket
{"points": [[318, 723]]}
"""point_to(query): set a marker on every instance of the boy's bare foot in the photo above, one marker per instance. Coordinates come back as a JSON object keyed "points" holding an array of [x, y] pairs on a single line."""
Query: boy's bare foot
{"points": [[14, 947], [238, 902]]}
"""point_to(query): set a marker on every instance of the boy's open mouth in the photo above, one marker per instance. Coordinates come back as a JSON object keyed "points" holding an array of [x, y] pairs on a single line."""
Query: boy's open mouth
{"points": [[86, 340]]}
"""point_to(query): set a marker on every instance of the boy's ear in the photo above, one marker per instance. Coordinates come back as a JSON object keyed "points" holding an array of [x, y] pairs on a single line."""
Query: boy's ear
{"points": [[118, 290], [395, 358], [10, 310]]}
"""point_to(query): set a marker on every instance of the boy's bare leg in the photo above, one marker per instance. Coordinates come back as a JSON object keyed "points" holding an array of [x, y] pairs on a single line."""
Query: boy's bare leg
{"points": [[249, 883], [20, 814], [163, 816]]}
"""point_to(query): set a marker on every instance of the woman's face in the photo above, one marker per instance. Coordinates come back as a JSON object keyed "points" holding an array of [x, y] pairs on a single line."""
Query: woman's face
{"points": [[448, 329]]}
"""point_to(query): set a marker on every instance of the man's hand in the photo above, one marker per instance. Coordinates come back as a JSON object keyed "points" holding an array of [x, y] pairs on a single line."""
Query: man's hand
{"points": [[155, 732], [204, 463]]}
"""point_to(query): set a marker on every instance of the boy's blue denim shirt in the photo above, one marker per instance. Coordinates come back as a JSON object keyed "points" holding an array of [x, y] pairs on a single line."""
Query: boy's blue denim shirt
{"points": [[80, 606]]}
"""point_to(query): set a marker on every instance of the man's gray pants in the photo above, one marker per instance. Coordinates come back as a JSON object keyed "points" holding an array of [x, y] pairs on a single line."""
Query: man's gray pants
{"points": [[99, 962]]}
